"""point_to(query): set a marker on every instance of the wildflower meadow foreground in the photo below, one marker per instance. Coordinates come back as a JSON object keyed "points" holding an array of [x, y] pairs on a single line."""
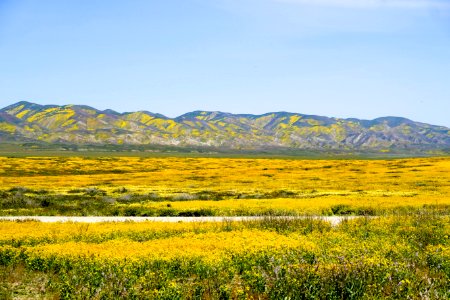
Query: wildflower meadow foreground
{"points": [[397, 257], [397, 247]]}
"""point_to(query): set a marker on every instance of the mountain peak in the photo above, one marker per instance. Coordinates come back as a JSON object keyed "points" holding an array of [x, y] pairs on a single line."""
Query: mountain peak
{"points": [[83, 124], [21, 105], [203, 115]]}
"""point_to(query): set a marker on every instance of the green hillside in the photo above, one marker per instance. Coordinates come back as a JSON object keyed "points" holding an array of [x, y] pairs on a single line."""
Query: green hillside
{"points": [[78, 124]]}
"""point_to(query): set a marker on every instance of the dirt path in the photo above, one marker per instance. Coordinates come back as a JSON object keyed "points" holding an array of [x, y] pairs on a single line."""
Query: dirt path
{"points": [[334, 220]]}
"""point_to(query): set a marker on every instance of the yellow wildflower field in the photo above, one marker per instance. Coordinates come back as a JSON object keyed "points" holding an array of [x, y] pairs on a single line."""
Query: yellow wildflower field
{"points": [[223, 186], [382, 257], [398, 248], [169, 175]]}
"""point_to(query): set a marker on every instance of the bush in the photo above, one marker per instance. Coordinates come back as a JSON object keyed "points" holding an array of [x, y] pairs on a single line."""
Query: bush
{"points": [[342, 209], [94, 192], [201, 212]]}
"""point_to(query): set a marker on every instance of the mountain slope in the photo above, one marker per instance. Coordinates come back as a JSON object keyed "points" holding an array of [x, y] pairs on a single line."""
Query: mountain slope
{"points": [[81, 124]]}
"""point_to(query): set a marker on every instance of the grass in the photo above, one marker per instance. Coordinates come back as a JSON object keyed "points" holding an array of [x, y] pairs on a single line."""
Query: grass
{"points": [[18, 282], [42, 149], [397, 257]]}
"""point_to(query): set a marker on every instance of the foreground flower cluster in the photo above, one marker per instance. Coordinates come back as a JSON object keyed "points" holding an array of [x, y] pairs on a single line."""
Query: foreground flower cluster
{"points": [[275, 258]]}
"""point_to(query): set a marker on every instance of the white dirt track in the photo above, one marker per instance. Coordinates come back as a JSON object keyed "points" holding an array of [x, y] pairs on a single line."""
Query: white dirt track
{"points": [[334, 220]]}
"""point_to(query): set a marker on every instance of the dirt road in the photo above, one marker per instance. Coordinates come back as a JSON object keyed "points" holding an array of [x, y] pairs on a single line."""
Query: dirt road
{"points": [[334, 220]]}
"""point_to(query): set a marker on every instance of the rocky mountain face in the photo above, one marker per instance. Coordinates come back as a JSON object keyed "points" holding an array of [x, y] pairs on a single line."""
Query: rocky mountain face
{"points": [[79, 124]]}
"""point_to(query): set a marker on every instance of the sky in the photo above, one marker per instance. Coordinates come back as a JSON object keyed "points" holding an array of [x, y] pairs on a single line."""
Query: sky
{"points": [[338, 58]]}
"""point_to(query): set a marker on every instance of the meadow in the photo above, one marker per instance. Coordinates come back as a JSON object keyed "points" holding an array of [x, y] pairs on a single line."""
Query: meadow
{"points": [[396, 257], [398, 249], [175, 186]]}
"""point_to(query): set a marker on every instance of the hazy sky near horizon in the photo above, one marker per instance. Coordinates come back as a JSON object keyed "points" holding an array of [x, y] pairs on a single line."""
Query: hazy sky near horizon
{"points": [[342, 58]]}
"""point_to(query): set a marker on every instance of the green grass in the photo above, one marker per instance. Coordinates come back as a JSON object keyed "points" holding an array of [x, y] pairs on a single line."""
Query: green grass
{"points": [[11, 149], [18, 282]]}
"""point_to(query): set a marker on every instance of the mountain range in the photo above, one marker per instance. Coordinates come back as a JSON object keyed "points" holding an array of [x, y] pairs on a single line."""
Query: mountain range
{"points": [[84, 125]]}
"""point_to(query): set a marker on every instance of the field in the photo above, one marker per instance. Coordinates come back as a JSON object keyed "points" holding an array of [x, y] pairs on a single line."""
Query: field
{"points": [[134, 186], [398, 249], [388, 257]]}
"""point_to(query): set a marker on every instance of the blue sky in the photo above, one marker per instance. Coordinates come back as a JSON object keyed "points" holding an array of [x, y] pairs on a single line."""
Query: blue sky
{"points": [[343, 58]]}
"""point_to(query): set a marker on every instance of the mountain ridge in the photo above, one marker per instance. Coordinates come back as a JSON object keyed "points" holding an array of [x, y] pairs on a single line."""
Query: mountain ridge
{"points": [[82, 124]]}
